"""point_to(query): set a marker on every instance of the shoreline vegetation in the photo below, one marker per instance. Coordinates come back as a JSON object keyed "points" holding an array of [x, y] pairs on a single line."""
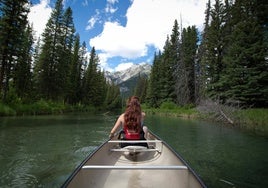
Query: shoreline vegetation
{"points": [[251, 119]]}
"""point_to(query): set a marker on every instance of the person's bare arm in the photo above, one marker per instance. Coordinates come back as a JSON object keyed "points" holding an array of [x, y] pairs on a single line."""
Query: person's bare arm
{"points": [[118, 123], [142, 116]]}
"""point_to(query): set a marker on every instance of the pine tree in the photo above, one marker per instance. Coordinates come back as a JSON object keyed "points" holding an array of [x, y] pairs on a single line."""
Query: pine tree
{"points": [[167, 63], [22, 69], [51, 52], [84, 61], [141, 88], [56, 54], [153, 94], [113, 99], [245, 77], [186, 72], [36, 70], [165, 73], [13, 26], [202, 58], [173, 61], [65, 61], [215, 47], [101, 89], [90, 88], [74, 82]]}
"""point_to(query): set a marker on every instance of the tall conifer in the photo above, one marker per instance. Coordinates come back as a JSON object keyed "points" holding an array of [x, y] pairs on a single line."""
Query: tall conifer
{"points": [[13, 25], [215, 45], [245, 77], [22, 69], [91, 76], [51, 51], [186, 80], [153, 95]]}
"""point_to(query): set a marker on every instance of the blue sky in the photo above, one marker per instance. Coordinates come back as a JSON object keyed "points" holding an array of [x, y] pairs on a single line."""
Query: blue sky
{"points": [[124, 32]]}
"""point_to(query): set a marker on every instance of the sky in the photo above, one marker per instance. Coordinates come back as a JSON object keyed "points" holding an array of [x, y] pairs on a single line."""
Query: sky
{"points": [[123, 32]]}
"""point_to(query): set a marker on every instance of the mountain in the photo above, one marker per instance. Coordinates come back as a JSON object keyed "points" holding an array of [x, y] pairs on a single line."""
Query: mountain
{"points": [[128, 78]]}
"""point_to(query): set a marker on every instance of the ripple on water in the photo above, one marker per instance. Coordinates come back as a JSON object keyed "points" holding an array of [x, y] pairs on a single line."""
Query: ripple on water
{"points": [[87, 149], [24, 180]]}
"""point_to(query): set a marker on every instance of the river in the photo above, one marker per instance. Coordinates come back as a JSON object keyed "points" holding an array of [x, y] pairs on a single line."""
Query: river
{"points": [[42, 151]]}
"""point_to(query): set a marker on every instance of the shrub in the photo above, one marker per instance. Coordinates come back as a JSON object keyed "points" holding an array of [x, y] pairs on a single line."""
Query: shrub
{"points": [[168, 105], [6, 110]]}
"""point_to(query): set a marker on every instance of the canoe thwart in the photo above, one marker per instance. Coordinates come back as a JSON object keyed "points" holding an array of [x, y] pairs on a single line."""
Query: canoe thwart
{"points": [[142, 167], [134, 150], [135, 141]]}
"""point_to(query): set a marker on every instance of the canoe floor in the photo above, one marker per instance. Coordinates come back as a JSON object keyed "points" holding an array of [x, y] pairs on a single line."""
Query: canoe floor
{"points": [[110, 169]]}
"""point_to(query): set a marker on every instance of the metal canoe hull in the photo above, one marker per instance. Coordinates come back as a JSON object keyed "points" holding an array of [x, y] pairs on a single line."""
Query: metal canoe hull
{"points": [[110, 166]]}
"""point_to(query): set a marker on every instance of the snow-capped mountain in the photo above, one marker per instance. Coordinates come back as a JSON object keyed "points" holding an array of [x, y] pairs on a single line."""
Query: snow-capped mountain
{"points": [[122, 78], [134, 71]]}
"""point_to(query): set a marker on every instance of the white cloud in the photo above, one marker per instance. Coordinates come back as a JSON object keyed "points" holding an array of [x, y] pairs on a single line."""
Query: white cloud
{"points": [[39, 15], [103, 62], [110, 9], [85, 3], [123, 66], [91, 22], [148, 23], [115, 41], [112, 1]]}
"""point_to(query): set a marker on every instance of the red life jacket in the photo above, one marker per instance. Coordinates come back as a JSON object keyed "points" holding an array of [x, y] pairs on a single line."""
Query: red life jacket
{"points": [[131, 135]]}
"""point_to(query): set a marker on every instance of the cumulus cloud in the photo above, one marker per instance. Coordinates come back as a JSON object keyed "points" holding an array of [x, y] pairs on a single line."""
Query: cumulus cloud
{"points": [[148, 24], [123, 66], [117, 41], [39, 15]]}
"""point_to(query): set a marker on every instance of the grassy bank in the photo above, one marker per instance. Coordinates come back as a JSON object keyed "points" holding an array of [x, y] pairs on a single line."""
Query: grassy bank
{"points": [[254, 120], [41, 107]]}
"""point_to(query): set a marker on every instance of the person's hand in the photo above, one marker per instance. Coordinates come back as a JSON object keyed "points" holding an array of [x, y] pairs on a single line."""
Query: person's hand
{"points": [[111, 135]]}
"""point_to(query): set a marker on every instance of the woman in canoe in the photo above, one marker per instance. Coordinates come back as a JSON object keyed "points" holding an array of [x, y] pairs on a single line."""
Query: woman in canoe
{"points": [[131, 121]]}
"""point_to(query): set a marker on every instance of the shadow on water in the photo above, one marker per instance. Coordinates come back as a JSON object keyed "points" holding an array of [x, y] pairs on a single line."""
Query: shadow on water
{"points": [[42, 151]]}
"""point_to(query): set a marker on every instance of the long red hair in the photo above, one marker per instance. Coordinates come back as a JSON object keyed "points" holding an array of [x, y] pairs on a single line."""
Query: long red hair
{"points": [[132, 114]]}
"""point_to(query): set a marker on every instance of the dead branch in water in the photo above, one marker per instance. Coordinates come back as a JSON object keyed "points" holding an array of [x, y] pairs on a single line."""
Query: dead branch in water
{"points": [[220, 112]]}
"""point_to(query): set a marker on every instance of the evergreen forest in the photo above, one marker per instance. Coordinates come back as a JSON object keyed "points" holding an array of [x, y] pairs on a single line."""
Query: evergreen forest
{"points": [[227, 61], [55, 68]]}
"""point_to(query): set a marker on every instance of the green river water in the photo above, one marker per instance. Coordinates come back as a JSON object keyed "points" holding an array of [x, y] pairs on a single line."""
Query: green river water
{"points": [[42, 151]]}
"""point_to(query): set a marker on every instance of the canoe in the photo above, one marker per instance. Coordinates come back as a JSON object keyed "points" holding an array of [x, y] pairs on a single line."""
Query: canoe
{"points": [[156, 165]]}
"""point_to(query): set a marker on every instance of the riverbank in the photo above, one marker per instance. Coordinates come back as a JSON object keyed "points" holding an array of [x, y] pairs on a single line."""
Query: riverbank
{"points": [[42, 107], [254, 120]]}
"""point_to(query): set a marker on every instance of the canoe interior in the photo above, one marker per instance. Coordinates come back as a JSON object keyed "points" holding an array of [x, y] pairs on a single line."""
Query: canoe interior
{"points": [[110, 166]]}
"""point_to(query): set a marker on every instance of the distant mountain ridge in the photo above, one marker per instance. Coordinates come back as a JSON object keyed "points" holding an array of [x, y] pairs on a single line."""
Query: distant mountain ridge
{"points": [[128, 78]]}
